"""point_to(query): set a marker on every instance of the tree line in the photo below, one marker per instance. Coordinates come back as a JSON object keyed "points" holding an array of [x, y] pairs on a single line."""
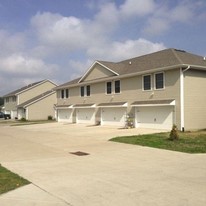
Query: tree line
{"points": [[1, 101]]}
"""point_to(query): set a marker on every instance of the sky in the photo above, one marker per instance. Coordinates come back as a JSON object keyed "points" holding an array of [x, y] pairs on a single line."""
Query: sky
{"points": [[60, 39]]}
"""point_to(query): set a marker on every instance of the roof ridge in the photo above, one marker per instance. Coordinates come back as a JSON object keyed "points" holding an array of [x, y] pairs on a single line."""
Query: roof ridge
{"points": [[175, 53]]}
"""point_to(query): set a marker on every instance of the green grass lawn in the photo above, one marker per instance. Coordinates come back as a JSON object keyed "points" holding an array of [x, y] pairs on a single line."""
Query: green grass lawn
{"points": [[10, 181], [189, 142]]}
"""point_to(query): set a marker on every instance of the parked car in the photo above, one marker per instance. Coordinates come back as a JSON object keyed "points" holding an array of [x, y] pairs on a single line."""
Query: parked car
{"points": [[5, 116]]}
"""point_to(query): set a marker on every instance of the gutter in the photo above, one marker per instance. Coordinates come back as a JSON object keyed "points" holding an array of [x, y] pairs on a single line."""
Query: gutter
{"points": [[182, 112]]}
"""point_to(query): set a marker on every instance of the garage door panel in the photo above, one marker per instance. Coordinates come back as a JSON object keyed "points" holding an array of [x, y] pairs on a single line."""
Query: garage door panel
{"points": [[113, 116], [86, 116], [65, 115], [155, 117]]}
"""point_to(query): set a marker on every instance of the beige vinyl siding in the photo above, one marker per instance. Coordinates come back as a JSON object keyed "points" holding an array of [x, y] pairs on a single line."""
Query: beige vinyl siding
{"points": [[42, 109], [35, 91], [195, 99], [131, 90], [11, 105], [98, 72]]}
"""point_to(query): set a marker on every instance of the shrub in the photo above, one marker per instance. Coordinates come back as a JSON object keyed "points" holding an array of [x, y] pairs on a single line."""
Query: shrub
{"points": [[174, 133], [50, 117], [23, 119]]}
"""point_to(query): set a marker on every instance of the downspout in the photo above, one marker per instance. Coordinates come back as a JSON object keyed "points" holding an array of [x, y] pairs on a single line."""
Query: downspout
{"points": [[182, 112]]}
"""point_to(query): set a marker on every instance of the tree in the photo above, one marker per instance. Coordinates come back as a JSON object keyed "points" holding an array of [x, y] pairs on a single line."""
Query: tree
{"points": [[1, 101]]}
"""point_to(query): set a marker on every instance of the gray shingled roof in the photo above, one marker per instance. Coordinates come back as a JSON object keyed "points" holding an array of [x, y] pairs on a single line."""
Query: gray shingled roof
{"points": [[164, 58], [156, 60], [37, 98], [75, 81], [22, 89]]}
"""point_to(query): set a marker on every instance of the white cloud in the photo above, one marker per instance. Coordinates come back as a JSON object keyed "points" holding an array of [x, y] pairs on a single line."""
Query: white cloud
{"points": [[19, 65], [118, 51], [53, 37], [166, 16], [11, 42], [79, 67], [137, 8], [59, 32], [107, 18]]}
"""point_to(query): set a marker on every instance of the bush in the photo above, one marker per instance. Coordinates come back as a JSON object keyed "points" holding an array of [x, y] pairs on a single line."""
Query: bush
{"points": [[174, 133], [50, 117], [23, 119]]}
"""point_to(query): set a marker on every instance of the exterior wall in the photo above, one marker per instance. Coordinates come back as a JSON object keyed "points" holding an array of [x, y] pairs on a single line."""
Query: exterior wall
{"points": [[33, 92], [131, 90], [195, 99], [21, 113], [42, 109], [11, 105], [98, 72]]}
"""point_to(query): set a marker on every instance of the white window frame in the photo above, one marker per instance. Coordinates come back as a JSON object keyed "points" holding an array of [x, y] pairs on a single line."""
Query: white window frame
{"points": [[85, 91], [64, 92], [150, 82], [163, 80], [119, 86], [106, 88], [86, 94]]}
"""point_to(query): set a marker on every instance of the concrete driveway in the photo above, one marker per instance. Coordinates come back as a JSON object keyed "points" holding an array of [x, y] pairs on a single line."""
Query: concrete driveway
{"points": [[112, 173]]}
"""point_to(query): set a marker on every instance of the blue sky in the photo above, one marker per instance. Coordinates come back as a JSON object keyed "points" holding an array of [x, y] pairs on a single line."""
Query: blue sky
{"points": [[60, 39]]}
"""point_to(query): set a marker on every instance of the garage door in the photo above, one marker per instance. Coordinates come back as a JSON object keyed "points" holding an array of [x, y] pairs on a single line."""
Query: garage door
{"points": [[65, 115], [14, 114], [85, 116], [155, 117], [113, 116]]}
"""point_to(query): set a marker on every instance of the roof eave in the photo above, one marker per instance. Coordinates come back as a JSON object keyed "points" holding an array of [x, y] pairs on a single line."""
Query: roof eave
{"points": [[177, 66]]}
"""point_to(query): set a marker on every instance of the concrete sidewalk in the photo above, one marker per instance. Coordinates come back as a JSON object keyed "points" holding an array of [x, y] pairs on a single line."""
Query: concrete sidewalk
{"points": [[112, 173]]}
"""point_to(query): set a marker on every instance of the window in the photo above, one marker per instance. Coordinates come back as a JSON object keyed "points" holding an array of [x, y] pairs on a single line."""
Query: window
{"points": [[117, 86], [109, 87], [85, 91], [82, 91], [62, 93], [14, 99], [88, 90], [159, 81], [147, 82], [7, 99], [67, 93]]}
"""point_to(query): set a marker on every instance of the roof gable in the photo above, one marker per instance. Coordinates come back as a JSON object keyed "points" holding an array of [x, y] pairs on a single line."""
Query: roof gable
{"points": [[98, 70], [28, 87], [157, 61]]}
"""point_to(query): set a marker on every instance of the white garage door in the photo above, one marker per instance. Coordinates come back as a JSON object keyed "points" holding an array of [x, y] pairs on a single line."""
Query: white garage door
{"points": [[154, 117], [14, 114], [86, 116], [65, 115], [113, 116]]}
